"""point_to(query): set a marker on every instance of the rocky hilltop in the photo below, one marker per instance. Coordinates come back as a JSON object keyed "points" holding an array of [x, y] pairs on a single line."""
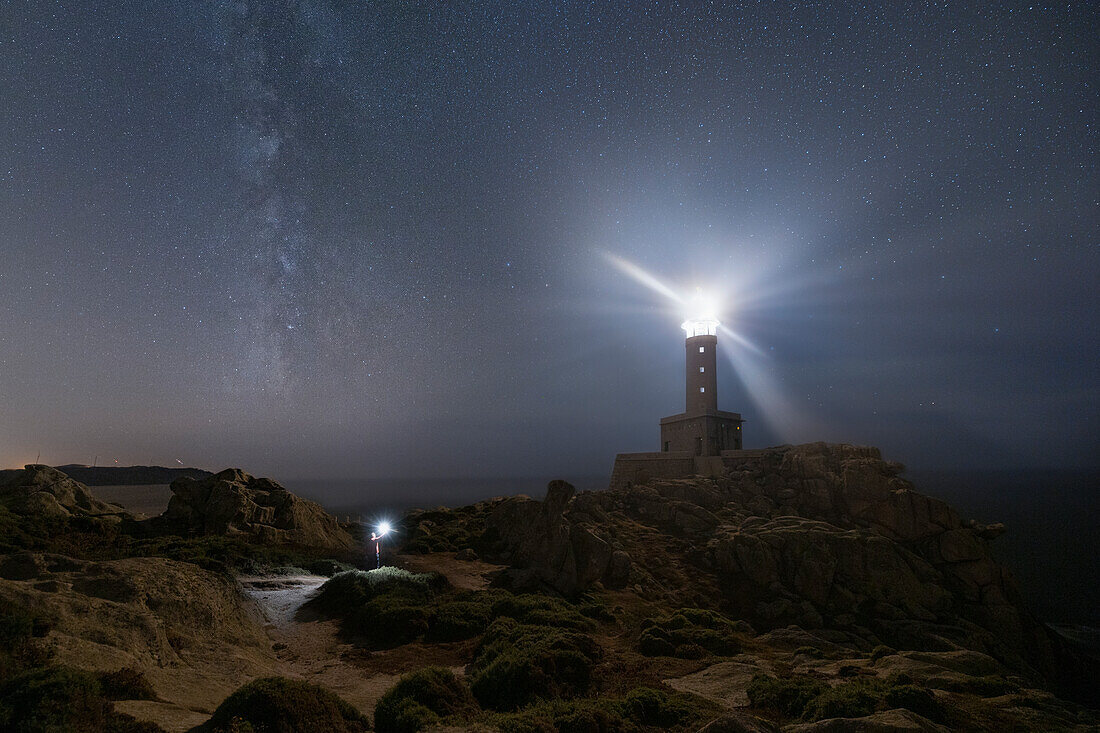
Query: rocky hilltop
{"points": [[233, 503], [44, 491], [808, 589], [827, 539]]}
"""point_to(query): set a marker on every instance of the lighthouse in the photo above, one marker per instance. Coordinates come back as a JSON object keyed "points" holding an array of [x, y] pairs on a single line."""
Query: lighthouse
{"points": [[701, 428], [695, 441]]}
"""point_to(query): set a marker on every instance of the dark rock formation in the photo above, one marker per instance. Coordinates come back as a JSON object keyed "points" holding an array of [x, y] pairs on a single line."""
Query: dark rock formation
{"points": [[258, 509], [42, 490], [826, 538], [568, 555]]}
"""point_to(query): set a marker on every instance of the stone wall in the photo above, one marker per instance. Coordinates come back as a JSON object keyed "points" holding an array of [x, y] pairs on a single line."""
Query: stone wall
{"points": [[638, 468]]}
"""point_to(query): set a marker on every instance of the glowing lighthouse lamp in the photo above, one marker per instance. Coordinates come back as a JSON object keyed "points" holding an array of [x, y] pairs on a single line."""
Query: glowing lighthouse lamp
{"points": [[376, 536], [702, 316]]}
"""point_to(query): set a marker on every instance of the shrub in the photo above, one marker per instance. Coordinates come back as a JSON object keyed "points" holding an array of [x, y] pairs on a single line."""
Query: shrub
{"points": [[347, 592], [703, 617], [517, 664], [690, 651], [280, 704], [62, 699], [989, 686], [530, 608], [126, 684], [917, 699], [20, 629], [564, 716], [688, 633], [457, 620], [654, 642], [404, 716], [849, 700], [327, 567], [881, 651], [420, 699], [786, 695], [387, 622], [646, 706]]}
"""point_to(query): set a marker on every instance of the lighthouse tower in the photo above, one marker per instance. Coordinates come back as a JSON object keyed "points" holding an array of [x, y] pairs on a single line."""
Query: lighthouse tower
{"points": [[699, 440], [701, 428]]}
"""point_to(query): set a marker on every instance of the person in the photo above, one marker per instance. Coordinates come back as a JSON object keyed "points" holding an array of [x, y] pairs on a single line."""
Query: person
{"points": [[377, 540]]}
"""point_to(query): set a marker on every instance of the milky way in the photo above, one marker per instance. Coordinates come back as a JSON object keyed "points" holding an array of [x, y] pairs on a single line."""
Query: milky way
{"points": [[343, 239]]}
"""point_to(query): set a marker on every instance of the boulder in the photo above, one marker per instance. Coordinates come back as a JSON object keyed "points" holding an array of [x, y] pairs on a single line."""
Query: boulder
{"points": [[258, 509], [45, 491]]}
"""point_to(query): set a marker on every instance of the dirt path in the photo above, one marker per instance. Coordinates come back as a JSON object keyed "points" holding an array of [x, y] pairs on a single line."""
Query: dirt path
{"points": [[312, 650]]}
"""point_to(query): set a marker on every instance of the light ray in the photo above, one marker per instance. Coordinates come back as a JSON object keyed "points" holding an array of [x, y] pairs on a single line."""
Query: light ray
{"points": [[752, 365], [643, 277]]}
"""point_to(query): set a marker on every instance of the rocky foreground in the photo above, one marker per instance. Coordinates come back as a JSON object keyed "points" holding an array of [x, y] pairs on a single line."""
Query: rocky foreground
{"points": [[810, 589]]}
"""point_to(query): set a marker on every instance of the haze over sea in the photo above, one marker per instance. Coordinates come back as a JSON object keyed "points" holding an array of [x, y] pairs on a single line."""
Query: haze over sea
{"points": [[1052, 545]]}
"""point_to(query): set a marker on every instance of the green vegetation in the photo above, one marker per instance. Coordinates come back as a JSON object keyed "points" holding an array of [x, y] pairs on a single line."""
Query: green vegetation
{"points": [[21, 648], [985, 686], [689, 633], [788, 696], [450, 530], [420, 699], [35, 696], [810, 699], [434, 696], [642, 709], [62, 699], [647, 706], [280, 704], [126, 684], [388, 607], [517, 664]]}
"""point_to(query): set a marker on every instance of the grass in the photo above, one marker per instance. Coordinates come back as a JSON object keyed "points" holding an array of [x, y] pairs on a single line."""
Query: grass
{"points": [[688, 633], [450, 530], [280, 704], [62, 699], [388, 607], [422, 698], [641, 709], [434, 696], [811, 700], [517, 664]]}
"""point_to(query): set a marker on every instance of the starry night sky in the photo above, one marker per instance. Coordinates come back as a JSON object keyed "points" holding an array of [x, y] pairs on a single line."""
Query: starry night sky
{"points": [[341, 239]]}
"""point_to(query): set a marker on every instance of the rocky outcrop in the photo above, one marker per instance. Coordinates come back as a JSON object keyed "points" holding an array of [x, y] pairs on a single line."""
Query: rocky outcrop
{"points": [[189, 631], [257, 509], [45, 491], [818, 537], [568, 555]]}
